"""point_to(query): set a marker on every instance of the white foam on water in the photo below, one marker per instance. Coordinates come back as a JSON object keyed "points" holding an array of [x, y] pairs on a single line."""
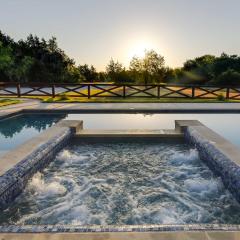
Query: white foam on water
{"points": [[38, 186], [211, 186], [69, 158], [166, 216], [189, 157], [126, 184]]}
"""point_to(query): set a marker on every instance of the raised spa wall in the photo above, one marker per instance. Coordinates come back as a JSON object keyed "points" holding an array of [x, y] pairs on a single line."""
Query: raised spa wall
{"points": [[221, 156], [21, 163]]}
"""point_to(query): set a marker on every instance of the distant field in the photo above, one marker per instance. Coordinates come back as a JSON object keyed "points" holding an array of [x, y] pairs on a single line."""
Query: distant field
{"points": [[133, 100], [5, 102], [68, 99]]}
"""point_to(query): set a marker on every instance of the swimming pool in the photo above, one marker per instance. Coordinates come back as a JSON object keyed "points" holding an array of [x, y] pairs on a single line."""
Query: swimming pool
{"points": [[17, 130], [124, 183], [226, 125]]}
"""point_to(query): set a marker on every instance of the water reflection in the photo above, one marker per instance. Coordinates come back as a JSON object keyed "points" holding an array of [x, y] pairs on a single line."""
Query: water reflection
{"points": [[224, 124], [19, 129]]}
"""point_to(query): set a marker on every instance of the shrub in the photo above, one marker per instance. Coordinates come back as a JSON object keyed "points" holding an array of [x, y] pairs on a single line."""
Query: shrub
{"points": [[230, 77], [220, 97], [49, 100], [63, 97]]}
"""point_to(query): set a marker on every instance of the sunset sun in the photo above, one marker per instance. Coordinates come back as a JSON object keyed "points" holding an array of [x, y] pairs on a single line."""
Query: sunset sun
{"points": [[138, 49]]}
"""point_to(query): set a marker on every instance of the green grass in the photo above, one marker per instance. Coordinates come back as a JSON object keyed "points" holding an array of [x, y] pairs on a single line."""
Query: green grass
{"points": [[67, 99], [5, 102], [132, 100]]}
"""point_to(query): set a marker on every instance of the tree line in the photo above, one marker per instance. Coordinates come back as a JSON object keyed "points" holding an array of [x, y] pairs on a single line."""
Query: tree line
{"points": [[40, 60]]}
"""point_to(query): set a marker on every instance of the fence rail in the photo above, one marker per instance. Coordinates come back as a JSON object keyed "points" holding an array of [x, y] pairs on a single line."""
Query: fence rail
{"points": [[92, 90]]}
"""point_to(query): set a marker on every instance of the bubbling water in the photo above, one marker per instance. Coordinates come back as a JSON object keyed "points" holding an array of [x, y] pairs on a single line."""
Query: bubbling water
{"points": [[124, 183]]}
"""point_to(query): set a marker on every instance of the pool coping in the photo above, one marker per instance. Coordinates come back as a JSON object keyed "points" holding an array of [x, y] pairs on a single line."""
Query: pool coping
{"points": [[32, 156], [27, 148], [117, 228], [117, 111], [183, 127], [219, 154], [129, 111]]}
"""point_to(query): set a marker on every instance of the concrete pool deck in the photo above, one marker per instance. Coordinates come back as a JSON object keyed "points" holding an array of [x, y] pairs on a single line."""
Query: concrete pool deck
{"points": [[33, 105], [125, 236]]}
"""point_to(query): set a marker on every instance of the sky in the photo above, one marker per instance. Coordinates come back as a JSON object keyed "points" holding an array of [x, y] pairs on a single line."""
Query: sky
{"points": [[94, 31]]}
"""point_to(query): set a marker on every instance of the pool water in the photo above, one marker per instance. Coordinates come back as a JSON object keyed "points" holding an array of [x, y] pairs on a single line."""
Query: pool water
{"points": [[226, 125], [19, 129], [124, 183]]}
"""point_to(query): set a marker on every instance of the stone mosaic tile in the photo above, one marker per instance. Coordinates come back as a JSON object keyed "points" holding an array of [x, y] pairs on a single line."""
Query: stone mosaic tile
{"points": [[13, 181], [113, 228], [218, 162]]}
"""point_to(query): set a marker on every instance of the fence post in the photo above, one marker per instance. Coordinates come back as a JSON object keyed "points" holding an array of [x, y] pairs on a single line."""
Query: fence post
{"points": [[227, 93], [53, 91], [18, 90], [193, 92], [89, 91], [158, 91], [124, 91]]}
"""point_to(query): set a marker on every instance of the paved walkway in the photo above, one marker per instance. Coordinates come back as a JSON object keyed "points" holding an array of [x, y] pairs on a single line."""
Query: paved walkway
{"points": [[28, 103], [134, 107], [126, 236]]}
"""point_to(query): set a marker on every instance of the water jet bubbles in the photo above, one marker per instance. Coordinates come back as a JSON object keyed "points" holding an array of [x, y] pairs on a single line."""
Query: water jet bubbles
{"points": [[40, 187], [125, 183]]}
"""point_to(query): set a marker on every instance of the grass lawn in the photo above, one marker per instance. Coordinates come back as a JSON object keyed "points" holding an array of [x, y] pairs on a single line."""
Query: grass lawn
{"points": [[68, 99], [5, 102], [131, 100]]}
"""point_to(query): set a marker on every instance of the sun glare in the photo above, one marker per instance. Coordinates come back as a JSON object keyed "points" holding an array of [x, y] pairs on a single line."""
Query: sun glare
{"points": [[137, 45], [138, 49]]}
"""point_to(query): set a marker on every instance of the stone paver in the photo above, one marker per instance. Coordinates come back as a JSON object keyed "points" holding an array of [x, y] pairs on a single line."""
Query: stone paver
{"points": [[126, 236], [131, 133], [142, 106], [26, 104], [37, 105]]}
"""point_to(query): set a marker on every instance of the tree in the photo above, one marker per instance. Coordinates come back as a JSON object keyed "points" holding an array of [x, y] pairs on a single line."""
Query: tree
{"points": [[113, 70], [102, 77], [199, 70], [136, 69], [154, 66], [199, 62], [210, 69], [88, 72], [21, 72], [228, 78], [150, 68], [224, 63], [6, 58]]}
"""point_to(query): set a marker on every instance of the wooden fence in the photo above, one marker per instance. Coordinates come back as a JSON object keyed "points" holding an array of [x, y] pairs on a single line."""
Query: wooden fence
{"points": [[89, 90]]}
